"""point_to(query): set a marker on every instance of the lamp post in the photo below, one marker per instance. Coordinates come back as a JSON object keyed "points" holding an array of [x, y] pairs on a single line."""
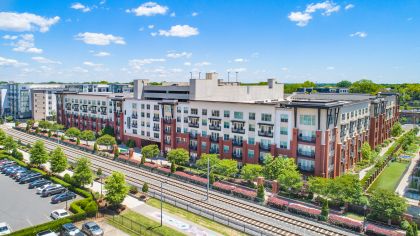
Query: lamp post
{"points": [[364, 218]]}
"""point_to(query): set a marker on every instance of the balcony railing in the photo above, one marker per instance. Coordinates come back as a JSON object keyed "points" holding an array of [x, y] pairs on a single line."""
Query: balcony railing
{"points": [[215, 127], [265, 133], [156, 129], [238, 143], [134, 116], [306, 154], [214, 151], [167, 120], [308, 139], [193, 135], [155, 118], [238, 131], [193, 147], [194, 125], [214, 138], [237, 155], [167, 131], [265, 147], [168, 142]]}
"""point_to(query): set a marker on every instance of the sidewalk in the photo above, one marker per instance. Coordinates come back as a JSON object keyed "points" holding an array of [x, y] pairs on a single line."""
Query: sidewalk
{"points": [[178, 223], [405, 181]]}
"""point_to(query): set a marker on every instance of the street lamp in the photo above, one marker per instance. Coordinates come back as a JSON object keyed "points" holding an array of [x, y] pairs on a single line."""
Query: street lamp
{"points": [[208, 178], [364, 212]]}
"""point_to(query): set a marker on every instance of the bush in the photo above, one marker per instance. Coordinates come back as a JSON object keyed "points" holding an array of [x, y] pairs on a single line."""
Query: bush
{"points": [[277, 203], [303, 210], [405, 225], [133, 189], [52, 225], [16, 154], [379, 231], [345, 222]]}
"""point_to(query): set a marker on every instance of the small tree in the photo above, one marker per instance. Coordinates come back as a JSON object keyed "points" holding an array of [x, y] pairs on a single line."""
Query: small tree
{"points": [[290, 179], [77, 141], [387, 205], [44, 125], [56, 127], [62, 138], [3, 136], [49, 134], [87, 135], [226, 167], [260, 192], [150, 151], [95, 147], [58, 160], [178, 156], [366, 151], [396, 129], [73, 132], [173, 167], [29, 124], [414, 228], [9, 144], [251, 171], [212, 178], [116, 188], [143, 159], [17, 123], [117, 153], [99, 172], [106, 140], [82, 173], [108, 130], [145, 188], [207, 159], [38, 154], [37, 130], [17, 154], [324, 211]]}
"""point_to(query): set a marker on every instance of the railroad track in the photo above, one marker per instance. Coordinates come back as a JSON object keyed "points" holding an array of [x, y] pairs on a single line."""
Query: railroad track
{"points": [[243, 205]]}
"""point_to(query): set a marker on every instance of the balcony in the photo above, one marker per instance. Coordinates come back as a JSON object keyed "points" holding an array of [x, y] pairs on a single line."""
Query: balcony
{"points": [[193, 135], [215, 127], [214, 139], [134, 116], [167, 131], [156, 128], [265, 134], [237, 155], [238, 143], [167, 120], [168, 142], [307, 139], [155, 118], [193, 125], [193, 147], [214, 151], [306, 154], [265, 147], [134, 125], [238, 130]]}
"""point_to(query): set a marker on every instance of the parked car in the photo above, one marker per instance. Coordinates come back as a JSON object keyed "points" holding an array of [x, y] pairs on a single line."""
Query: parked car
{"points": [[53, 190], [26, 174], [30, 178], [7, 167], [18, 172], [58, 214], [12, 169], [39, 183], [70, 229], [5, 228], [92, 229], [47, 233], [40, 189], [63, 197]]}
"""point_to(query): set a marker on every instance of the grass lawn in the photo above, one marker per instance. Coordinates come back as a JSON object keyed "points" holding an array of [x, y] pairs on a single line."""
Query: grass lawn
{"points": [[354, 216], [216, 227], [148, 223], [389, 177]]}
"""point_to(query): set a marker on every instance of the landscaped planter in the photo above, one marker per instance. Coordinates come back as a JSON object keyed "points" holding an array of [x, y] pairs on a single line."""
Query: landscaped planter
{"points": [[277, 203], [345, 222], [303, 210], [226, 188], [163, 170], [379, 231], [191, 178], [244, 193]]}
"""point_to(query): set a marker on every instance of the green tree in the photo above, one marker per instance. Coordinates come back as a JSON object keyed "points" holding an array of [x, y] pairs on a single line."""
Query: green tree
{"points": [[290, 179], [56, 127], [344, 84], [179, 156], [82, 173], [106, 140], [365, 86], [44, 125], [320, 185], [260, 192], [211, 159], [386, 205], [173, 167], [251, 171], [145, 188], [17, 154], [212, 179], [99, 172], [73, 132], [3, 136], [87, 135], [414, 228], [150, 151], [131, 143], [396, 129], [9, 144], [95, 147], [346, 189], [77, 141], [308, 84], [116, 188], [273, 169], [49, 134], [29, 124], [226, 167], [116, 153], [58, 160], [325, 211], [38, 154], [267, 159], [107, 130], [366, 151]]}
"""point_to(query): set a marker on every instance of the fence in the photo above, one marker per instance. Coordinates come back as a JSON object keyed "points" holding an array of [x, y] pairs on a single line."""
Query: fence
{"points": [[132, 225]]}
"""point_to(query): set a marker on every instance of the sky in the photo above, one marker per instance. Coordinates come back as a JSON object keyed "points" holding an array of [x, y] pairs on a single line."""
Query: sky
{"points": [[248, 40]]}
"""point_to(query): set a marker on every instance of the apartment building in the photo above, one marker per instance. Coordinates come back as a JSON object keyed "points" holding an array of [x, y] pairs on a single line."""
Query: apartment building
{"points": [[323, 132], [44, 103]]}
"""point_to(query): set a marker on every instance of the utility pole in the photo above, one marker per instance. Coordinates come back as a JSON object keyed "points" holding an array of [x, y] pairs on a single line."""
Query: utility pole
{"points": [[208, 177], [161, 207]]}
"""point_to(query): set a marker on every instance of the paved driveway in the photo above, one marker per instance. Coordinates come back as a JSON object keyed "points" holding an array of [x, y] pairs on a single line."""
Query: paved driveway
{"points": [[21, 207]]}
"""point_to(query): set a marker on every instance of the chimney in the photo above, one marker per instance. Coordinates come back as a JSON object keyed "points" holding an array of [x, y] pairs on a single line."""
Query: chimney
{"points": [[271, 83], [138, 87]]}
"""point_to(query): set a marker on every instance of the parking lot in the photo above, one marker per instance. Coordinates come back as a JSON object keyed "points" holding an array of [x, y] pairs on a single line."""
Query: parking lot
{"points": [[21, 207]]}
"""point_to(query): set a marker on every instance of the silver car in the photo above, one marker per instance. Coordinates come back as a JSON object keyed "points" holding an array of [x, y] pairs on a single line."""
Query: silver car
{"points": [[93, 229]]}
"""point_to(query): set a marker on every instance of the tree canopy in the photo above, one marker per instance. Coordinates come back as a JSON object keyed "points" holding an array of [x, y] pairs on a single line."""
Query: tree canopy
{"points": [[58, 160], [9, 144], [150, 151], [344, 84], [43, 124], [87, 135], [73, 132], [202, 162], [106, 140], [38, 154], [107, 130], [226, 167], [346, 189], [396, 129], [116, 188], [82, 174], [179, 156], [365, 86], [276, 166], [251, 171], [366, 151], [386, 205]]}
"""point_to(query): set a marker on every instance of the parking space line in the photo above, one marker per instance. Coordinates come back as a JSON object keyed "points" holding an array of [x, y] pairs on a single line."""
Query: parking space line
{"points": [[27, 220]]}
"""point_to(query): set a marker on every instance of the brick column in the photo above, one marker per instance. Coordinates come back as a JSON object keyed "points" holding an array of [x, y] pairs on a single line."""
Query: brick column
{"points": [[337, 161], [274, 187], [293, 144], [318, 160]]}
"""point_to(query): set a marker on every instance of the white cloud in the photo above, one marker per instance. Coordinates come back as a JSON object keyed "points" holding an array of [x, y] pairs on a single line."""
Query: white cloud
{"points": [[194, 14], [241, 69], [182, 31], [348, 7], [102, 2], [137, 64], [141, 29], [44, 60], [149, 9], [179, 54], [102, 54], [172, 14], [99, 38], [330, 68], [19, 22], [187, 63], [153, 34], [10, 37], [284, 69], [79, 69], [359, 34], [24, 43], [302, 18], [79, 6], [240, 60], [10, 62], [203, 63], [91, 64], [150, 26]]}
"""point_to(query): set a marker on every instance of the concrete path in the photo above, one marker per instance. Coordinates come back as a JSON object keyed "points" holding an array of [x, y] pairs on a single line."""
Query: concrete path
{"points": [[405, 181], [363, 172]]}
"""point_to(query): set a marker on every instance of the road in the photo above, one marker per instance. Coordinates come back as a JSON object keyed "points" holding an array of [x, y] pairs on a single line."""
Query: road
{"points": [[270, 221]]}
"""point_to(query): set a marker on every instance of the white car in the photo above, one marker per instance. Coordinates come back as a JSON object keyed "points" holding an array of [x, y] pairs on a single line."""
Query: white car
{"points": [[58, 214], [5, 228], [39, 190]]}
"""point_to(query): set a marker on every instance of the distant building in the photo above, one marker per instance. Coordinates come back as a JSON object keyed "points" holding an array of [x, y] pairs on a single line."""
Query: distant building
{"points": [[44, 103], [87, 88], [323, 90], [120, 88]]}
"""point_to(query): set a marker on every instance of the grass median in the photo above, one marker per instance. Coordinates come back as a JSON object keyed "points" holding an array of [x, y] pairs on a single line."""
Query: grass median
{"points": [[389, 177]]}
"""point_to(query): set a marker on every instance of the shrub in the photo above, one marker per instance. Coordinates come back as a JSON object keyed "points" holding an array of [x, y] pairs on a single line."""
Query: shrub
{"points": [[379, 231], [277, 203], [145, 188], [52, 225], [224, 187], [92, 208], [133, 189], [346, 222], [303, 210], [75, 208], [244, 193], [405, 225]]}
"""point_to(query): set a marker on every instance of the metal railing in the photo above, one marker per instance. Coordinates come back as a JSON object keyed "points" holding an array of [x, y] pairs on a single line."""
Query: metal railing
{"points": [[134, 226]]}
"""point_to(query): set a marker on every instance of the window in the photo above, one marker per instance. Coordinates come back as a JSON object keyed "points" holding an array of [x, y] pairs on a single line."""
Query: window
{"points": [[178, 109], [186, 110], [251, 127], [251, 141], [185, 130], [283, 144], [156, 107], [283, 130], [284, 118], [251, 116], [226, 114], [194, 111], [178, 129], [204, 112], [203, 133], [251, 153], [148, 106], [203, 146], [156, 135], [238, 115], [225, 148], [134, 106], [306, 120], [226, 125], [343, 116], [215, 113], [306, 165], [266, 117], [134, 131], [204, 122]]}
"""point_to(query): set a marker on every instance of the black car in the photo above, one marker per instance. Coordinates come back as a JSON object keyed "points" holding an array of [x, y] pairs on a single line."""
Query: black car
{"points": [[27, 174], [63, 197], [18, 172], [39, 183], [30, 178]]}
